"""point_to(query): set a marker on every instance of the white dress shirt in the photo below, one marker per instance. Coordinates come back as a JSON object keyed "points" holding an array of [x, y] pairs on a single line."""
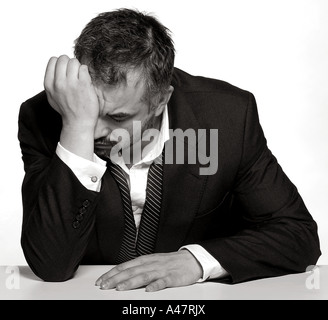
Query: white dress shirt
{"points": [[90, 174]]}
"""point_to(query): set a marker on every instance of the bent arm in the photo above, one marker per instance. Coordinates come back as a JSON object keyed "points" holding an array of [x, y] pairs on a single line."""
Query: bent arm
{"points": [[58, 221], [58, 211]]}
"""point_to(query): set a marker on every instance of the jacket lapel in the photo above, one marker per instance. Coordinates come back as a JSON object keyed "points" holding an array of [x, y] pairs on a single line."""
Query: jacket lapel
{"points": [[182, 185]]}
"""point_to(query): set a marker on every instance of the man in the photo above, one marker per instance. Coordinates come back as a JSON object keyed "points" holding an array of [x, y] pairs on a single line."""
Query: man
{"points": [[108, 180]]}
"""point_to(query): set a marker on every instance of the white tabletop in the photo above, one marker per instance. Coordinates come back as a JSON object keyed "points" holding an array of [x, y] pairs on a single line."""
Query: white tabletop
{"points": [[19, 283]]}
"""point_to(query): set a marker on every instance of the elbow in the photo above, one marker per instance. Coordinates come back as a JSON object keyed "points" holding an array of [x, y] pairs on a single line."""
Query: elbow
{"points": [[48, 275], [314, 253], [47, 268], [314, 247], [310, 252]]}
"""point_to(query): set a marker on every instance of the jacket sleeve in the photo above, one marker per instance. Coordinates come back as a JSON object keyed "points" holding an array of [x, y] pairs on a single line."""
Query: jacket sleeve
{"points": [[279, 234], [58, 211]]}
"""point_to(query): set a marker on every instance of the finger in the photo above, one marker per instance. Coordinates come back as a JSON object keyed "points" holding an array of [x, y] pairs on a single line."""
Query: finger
{"points": [[111, 281], [159, 284], [50, 73], [131, 278], [84, 73], [61, 69], [138, 281], [124, 266], [103, 277], [72, 71], [115, 271]]}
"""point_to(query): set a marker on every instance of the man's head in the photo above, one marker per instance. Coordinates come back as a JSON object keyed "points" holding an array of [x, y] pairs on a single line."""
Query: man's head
{"points": [[130, 56], [113, 43]]}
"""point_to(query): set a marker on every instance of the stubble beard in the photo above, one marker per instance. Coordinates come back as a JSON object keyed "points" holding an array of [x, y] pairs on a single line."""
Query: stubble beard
{"points": [[104, 146]]}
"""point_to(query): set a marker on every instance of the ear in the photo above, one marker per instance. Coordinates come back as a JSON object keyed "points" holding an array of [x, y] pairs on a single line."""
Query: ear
{"points": [[164, 101]]}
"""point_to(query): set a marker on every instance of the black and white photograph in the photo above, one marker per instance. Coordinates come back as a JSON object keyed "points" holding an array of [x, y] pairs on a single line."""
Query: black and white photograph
{"points": [[164, 151]]}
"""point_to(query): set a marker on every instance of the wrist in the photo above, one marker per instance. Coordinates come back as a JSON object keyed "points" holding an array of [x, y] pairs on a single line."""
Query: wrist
{"points": [[79, 125], [78, 140], [194, 262]]}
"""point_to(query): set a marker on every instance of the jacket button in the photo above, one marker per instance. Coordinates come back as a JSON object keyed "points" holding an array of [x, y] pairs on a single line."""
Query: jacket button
{"points": [[76, 224], [86, 203], [79, 217], [83, 210]]}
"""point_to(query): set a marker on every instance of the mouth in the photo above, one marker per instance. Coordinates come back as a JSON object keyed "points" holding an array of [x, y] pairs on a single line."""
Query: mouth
{"points": [[104, 144], [103, 149]]}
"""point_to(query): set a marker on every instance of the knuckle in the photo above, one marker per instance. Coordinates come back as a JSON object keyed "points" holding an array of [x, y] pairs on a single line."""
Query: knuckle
{"points": [[142, 259], [59, 85], [47, 86], [63, 57], [130, 272], [120, 267], [146, 277]]}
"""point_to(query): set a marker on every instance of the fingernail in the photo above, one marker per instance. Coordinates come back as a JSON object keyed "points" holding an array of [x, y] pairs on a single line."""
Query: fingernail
{"points": [[98, 282], [103, 287]]}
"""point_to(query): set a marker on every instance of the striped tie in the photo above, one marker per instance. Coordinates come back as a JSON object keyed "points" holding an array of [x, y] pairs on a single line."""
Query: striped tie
{"points": [[147, 234], [152, 208], [128, 247]]}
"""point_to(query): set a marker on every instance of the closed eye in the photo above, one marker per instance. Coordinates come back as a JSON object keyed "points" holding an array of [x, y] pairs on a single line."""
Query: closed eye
{"points": [[118, 117]]}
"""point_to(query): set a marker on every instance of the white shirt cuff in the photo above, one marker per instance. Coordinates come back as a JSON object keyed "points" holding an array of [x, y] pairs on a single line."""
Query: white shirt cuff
{"points": [[211, 267], [88, 172]]}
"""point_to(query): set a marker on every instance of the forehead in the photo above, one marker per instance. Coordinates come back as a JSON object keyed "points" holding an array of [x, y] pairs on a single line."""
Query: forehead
{"points": [[126, 97]]}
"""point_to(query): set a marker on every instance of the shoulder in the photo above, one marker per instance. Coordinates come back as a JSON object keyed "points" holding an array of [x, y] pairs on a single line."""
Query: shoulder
{"points": [[35, 103], [37, 109], [211, 100], [38, 120], [187, 83]]}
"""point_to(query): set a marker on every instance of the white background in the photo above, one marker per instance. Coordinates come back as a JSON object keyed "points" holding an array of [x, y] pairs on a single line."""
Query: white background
{"points": [[277, 49]]}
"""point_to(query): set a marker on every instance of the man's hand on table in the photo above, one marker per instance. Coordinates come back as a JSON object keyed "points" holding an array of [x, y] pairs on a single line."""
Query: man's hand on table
{"points": [[155, 272]]}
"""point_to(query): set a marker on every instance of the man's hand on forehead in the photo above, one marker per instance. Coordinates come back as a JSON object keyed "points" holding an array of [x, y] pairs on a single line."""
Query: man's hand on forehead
{"points": [[70, 91]]}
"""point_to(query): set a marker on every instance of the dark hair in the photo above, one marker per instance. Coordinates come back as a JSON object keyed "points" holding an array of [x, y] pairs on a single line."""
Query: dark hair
{"points": [[114, 42]]}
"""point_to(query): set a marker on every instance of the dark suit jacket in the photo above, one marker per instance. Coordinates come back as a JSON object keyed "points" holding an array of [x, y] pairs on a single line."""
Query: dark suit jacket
{"points": [[248, 215]]}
